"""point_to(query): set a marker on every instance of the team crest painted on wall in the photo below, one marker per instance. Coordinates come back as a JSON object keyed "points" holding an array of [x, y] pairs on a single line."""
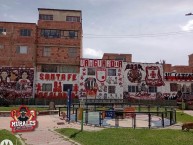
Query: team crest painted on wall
{"points": [[101, 79], [153, 76], [101, 74]]}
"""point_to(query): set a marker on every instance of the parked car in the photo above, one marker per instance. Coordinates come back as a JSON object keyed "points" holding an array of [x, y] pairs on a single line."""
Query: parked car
{"points": [[4, 102]]}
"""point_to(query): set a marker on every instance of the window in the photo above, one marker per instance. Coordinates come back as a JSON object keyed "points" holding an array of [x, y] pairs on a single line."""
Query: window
{"points": [[46, 51], [73, 34], [46, 87], [45, 17], [153, 89], [111, 72], [68, 69], [111, 89], [173, 87], [73, 19], [49, 68], [120, 58], [133, 89], [72, 52], [91, 71], [22, 49], [67, 86], [1, 46], [50, 33], [2, 31], [25, 32]]}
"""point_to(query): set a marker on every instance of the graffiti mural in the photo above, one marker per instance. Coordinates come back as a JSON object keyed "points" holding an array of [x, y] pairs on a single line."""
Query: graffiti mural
{"points": [[153, 76], [16, 82], [142, 80], [101, 79], [56, 85]]}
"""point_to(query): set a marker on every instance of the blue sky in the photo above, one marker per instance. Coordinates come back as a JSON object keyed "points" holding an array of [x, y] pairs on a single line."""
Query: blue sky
{"points": [[150, 30]]}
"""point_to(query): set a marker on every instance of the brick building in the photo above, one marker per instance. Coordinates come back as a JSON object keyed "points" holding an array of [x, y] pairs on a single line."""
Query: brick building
{"points": [[59, 40], [48, 53], [17, 44]]}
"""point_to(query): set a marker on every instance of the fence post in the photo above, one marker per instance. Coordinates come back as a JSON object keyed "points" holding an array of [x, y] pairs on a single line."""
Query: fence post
{"points": [[148, 108], [59, 111], [139, 107], [76, 114], [166, 115], [86, 115], [134, 121], [73, 108], [116, 120], [162, 119], [100, 122], [157, 110], [171, 117], [149, 115]]}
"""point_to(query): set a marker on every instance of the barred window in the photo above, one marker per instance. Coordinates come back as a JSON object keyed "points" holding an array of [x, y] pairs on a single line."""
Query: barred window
{"points": [[2, 31], [46, 87], [68, 69], [25, 32], [173, 87], [46, 51], [72, 52], [45, 17], [73, 19], [67, 86], [133, 89], [153, 89], [111, 89], [49, 68], [91, 71], [22, 50], [111, 72]]}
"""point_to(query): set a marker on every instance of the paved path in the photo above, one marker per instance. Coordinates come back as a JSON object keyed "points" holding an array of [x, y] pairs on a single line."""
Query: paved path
{"points": [[44, 134]]}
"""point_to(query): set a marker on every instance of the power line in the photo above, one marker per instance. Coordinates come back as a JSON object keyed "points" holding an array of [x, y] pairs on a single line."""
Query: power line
{"points": [[135, 35]]}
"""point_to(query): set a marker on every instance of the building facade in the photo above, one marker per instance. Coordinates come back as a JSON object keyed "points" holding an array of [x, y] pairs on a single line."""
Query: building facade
{"points": [[44, 60]]}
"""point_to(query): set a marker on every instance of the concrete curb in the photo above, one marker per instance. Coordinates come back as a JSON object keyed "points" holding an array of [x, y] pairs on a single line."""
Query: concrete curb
{"points": [[66, 138], [20, 139]]}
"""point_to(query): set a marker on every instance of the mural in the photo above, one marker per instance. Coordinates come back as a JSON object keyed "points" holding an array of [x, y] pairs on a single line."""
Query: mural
{"points": [[16, 82], [101, 79], [178, 85], [56, 85], [142, 80]]}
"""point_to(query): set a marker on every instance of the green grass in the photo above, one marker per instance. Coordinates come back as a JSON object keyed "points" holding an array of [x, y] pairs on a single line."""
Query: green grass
{"points": [[123, 136], [5, 134], [183, 117], [12, 108]]}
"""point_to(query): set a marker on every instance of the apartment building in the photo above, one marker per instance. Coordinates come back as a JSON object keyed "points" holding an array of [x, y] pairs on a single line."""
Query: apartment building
{"points": [[59, 49], [48, 53]]}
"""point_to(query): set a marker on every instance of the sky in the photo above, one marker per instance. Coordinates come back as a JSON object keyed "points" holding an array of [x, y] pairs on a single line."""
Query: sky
{"points": [[150, 30]]}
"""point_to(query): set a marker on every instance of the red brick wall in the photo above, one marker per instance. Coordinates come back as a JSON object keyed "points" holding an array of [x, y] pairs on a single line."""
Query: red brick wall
{"points": [[12, 39], [111, 56], [59, 46]]}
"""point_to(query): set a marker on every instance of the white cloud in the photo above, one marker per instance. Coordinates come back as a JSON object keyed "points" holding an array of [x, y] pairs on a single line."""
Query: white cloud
{"points": [[188, 26], [92, 53]]}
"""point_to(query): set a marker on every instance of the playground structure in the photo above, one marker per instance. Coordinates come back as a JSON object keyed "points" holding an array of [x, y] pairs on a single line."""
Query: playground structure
{"points": [[120, 114]]}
